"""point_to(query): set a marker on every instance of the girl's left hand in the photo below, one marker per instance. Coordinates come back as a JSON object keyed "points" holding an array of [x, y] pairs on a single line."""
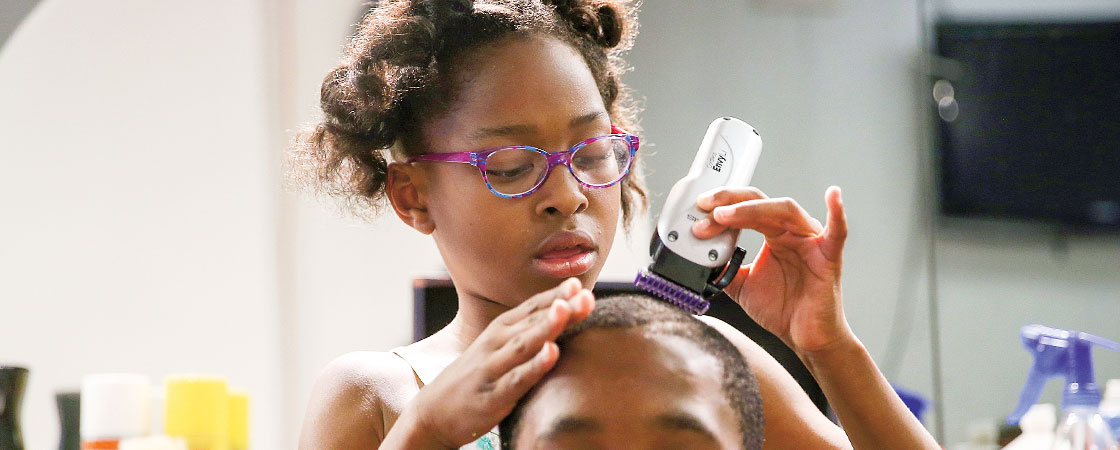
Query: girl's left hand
{"points": [[793, 286]]}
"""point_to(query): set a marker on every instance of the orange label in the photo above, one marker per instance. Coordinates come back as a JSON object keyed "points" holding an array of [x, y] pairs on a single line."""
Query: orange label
{"points": [[100, 445]]}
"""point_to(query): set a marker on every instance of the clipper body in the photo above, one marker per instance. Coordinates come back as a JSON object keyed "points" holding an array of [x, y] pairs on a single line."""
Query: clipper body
{"points": [[687, 271]]}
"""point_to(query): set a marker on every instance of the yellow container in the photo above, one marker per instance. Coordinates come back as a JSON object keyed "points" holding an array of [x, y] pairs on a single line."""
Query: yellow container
{"points": [[197, 409], [238, 419]]}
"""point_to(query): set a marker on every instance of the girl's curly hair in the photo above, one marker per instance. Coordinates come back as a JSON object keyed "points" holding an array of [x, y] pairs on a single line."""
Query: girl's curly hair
{"points": [[400, 67]]}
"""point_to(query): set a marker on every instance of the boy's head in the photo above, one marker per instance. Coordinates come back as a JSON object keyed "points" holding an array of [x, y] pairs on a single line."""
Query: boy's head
{"points": [[640, 373]]}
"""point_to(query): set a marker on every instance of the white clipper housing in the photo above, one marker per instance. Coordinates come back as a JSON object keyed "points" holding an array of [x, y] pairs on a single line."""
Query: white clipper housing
{"points": [[727, 157]]}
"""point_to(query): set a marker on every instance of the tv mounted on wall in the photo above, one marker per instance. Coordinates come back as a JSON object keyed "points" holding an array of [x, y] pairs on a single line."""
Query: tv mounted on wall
{"points": [[1028, 119]]}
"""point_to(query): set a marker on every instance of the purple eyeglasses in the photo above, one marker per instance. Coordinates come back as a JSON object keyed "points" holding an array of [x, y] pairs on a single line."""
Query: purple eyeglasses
{"points": [[515, 171]]}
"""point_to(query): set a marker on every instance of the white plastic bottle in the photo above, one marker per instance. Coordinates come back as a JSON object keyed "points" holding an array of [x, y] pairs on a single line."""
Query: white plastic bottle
{"points": [[114, 406], [1038, 428], [1083, 428], [1110, 406]]}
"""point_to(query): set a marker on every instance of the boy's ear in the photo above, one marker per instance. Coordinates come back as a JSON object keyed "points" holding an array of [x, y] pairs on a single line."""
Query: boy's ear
{"points": [[407, 189]]}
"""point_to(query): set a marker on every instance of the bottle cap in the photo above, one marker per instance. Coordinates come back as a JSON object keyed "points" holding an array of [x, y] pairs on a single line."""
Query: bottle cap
{"points": [[197, 409], [1112, 391], [114, 405], [238, 419], [1040, 418], [982, 432]]}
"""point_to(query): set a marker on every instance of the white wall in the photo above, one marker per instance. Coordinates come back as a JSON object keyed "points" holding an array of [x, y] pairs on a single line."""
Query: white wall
{"points": [[136, 229]]}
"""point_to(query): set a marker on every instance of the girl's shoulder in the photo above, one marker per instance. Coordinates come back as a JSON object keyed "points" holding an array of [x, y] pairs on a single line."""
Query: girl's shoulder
{"points": [[355, 394], [378, 377]]}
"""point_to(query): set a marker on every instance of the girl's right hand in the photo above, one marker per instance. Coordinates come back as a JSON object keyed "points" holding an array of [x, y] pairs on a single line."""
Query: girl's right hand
{"points": [[473, 394]]}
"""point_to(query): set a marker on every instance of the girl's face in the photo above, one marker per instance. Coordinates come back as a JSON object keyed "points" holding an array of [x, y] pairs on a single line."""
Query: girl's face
{"points": [[534, 91]]}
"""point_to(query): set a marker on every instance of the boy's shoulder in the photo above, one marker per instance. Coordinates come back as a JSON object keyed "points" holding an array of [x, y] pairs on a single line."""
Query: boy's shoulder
{"points": [[792, 420]]}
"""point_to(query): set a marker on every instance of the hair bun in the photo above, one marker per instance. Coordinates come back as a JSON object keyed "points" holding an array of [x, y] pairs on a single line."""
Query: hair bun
{"points": [[609, 26], [444, 12], [600, 23]]}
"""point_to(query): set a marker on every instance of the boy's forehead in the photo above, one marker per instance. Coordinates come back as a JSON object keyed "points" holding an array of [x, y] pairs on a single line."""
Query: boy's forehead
{"points": [[626, 350], [653, 375]]}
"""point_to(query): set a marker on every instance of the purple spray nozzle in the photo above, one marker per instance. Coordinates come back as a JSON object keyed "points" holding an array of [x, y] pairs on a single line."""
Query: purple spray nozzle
{"points": [[1060, 352]]}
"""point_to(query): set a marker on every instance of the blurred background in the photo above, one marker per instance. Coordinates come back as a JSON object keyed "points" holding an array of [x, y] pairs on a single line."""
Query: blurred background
{"points": [[144, 227]]}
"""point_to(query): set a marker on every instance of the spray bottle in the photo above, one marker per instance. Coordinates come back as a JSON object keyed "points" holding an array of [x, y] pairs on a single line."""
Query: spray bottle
{"points": [[1067, 352]]}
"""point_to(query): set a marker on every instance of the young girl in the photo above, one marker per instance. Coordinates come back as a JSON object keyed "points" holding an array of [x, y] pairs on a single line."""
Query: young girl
{"points": [[467, 97]]}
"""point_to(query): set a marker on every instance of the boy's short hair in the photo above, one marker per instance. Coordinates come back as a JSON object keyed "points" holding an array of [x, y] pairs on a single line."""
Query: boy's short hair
{"points": [[738, 382]]}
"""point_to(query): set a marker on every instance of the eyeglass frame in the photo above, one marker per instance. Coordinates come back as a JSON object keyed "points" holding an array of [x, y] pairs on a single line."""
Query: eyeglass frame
{"points": [[478, 159]]}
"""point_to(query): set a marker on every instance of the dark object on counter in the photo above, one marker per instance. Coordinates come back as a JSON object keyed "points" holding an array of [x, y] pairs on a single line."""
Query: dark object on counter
{"points": [[13, 381], [1008, 433], [69, 416]]}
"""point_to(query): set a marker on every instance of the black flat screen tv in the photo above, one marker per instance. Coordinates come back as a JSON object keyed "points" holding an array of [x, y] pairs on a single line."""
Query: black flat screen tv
{"points": [[1028, 120]]}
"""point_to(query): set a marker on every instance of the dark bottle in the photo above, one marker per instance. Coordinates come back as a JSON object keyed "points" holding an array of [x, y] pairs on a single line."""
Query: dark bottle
{"points": [[69, 416], [13, 380]]}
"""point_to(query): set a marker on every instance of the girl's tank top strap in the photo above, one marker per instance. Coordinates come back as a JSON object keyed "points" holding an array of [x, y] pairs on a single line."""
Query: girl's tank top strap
{"points": [[426, 369], [426, 366], [421, 367]]}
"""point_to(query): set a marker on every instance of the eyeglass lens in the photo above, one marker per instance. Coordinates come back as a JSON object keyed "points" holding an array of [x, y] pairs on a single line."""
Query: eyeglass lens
{"points": [[515, 171]]}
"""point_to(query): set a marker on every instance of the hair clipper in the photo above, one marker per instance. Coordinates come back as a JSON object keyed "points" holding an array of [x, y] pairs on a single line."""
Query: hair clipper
{"points": [[688, 271]]}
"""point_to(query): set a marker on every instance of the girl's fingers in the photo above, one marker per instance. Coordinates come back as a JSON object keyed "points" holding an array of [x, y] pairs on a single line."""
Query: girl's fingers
{"points": [[734, 289], [706, 228], [518, 380], [543, 326], [728, 196], [577, 306], [817, 225], [582, 304], [832, 246], [565, 290], [771, 217]]}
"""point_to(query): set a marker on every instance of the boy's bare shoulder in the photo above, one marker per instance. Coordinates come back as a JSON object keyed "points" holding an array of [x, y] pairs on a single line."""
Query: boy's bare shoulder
{"points": [[356, 398]]}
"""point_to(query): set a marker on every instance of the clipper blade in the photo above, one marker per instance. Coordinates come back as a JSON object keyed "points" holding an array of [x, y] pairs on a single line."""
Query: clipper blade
{"points": [[671, 292]]}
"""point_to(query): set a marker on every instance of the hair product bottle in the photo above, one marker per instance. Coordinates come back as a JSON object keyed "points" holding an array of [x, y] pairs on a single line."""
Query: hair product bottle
{"points": [[1038, 428], [238, 420], [69, 418], [114, 407], [13, 381], [197, 410]]}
